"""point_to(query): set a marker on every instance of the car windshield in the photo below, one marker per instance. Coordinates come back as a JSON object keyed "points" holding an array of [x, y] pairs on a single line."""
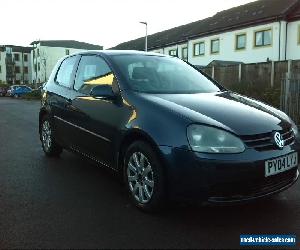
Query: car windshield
{"points": [[162, 75]]}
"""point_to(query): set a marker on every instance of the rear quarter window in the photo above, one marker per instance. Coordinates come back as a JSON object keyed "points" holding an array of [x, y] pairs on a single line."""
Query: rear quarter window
{"points": [[65, 72]]}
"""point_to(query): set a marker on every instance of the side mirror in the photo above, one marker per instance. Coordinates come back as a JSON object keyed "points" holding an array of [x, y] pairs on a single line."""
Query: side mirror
{"points": [[103, 91]]}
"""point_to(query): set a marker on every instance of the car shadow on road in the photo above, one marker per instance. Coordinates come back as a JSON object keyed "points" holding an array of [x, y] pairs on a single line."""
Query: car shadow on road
{"points": [[104, 193], [84, 205]]}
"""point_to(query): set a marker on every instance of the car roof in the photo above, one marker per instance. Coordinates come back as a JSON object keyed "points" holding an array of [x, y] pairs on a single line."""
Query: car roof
{"points": [[15, 86], [119, 52]]}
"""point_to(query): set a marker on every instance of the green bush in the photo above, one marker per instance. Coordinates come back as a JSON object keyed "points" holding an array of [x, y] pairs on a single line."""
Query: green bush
{"points": [[34, 95], [2, 84], [264, 93]]}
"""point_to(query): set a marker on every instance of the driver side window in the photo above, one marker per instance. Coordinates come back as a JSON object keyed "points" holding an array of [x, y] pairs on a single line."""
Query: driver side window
{"points": [[92, 71]]}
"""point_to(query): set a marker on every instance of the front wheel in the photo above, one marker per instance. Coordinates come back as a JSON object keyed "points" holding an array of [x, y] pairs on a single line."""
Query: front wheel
{"points": [[50, 146], [144, 177]]}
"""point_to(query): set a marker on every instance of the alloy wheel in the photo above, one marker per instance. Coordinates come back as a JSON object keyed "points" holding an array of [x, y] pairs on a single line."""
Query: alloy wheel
{"points": [[140, 177], [46, 135]]}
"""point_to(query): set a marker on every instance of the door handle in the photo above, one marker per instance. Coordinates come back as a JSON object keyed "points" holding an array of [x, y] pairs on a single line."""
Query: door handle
{"points": [[68, 103]]}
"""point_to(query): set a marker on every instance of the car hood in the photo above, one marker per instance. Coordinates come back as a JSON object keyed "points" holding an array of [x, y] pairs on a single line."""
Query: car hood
{"points": [[236, 113]]}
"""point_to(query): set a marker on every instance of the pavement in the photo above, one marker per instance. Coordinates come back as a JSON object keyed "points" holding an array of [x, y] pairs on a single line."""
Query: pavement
{"points": [[71, 203]]}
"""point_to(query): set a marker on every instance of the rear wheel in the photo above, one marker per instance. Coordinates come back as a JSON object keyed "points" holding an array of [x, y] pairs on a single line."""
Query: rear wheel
{"points": [[144, 177], [50, 146]]}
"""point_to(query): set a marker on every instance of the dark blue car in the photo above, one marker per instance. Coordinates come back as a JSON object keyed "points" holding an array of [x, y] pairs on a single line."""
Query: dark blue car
{"points": [[18, 91], [171, 131]]}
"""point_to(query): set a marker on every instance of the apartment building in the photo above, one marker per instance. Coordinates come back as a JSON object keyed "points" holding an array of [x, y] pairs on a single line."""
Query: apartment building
{"points": [[45, 54], [15, 64], [263, 30]]}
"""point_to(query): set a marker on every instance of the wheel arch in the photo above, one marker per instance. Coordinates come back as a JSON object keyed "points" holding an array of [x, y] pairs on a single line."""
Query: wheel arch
{"points": [[132, 136], [42, 113]]}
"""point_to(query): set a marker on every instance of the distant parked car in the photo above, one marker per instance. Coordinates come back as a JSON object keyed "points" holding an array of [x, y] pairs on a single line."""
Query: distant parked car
{"points": [[3, 91], [39, 89], [18, 91], [10, 89]]}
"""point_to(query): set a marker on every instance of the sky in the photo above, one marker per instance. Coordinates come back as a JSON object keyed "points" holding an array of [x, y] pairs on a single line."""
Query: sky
{"points": [[101, 22]]}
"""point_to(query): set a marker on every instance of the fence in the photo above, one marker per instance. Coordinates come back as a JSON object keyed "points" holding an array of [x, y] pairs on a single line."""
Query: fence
{"points": [[266, 74], [267, 82], [290, 97]]}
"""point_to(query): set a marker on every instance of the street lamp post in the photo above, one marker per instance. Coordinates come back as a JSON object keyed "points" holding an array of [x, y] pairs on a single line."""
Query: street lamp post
{"points": [[146, 37]]}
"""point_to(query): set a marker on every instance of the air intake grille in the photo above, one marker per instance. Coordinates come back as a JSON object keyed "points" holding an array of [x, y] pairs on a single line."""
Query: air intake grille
{"points": [[264, 142], [255, 186]]}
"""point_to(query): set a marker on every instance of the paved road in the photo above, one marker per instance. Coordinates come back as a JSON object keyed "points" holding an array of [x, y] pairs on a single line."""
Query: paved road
{"points": [[70, 203]]}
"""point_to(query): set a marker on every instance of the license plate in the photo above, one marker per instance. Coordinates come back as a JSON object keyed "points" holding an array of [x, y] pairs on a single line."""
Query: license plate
{"points": [[282, 164]]}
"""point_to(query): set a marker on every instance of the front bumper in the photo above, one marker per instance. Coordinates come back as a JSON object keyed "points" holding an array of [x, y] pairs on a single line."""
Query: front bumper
{"points": [[224, 178], [252, 191]]}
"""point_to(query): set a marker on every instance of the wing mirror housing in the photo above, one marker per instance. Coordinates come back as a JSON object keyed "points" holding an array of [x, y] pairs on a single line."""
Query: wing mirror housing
{"points": [[104, 91]]}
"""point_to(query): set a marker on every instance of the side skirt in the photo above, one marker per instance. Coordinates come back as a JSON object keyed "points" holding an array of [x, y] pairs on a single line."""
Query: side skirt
{"points": [[92, 158]]}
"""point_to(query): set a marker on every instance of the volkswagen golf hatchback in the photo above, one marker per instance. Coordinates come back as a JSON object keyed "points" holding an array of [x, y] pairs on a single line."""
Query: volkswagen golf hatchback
{"points": [[169, 129]]}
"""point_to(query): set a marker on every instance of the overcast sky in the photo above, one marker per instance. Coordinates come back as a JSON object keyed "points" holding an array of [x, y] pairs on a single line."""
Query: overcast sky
{"points": [[102, 22]]}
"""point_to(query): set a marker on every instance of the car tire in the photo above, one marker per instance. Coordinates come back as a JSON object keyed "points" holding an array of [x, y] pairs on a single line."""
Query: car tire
{"points": [[49, 145], [16, 96], [145, 184]]}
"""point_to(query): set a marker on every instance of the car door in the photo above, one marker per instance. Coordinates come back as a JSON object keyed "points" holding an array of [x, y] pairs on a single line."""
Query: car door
{"points": [[98, 121], [60, 96]]}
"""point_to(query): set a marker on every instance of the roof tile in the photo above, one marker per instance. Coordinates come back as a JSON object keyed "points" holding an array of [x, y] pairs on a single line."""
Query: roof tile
{"points": [[68, 44], [254, 12]]}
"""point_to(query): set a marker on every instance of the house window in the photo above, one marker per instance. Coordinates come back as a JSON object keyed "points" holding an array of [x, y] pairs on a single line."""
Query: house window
{"points": [[173, 52], [25, 58], [38, 52], [263, 38], [26, 70], [184, 53], [33, 52], [39, 66], [8, 50], [0, 69], [215, 46], [199, 49], [17, 69], [16, 57], [240, 42], [67, 52]]}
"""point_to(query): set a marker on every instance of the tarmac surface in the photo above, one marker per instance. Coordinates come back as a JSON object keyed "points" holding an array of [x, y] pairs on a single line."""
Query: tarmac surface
{"points": [[71, 203]]}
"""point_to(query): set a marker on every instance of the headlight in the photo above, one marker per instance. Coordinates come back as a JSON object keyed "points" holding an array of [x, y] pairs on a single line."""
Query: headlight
{"points": [[211, 140]]}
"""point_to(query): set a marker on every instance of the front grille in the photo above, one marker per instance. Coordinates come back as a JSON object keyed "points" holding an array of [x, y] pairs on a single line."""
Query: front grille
{"points": [[264, 142], [255, 186]]}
